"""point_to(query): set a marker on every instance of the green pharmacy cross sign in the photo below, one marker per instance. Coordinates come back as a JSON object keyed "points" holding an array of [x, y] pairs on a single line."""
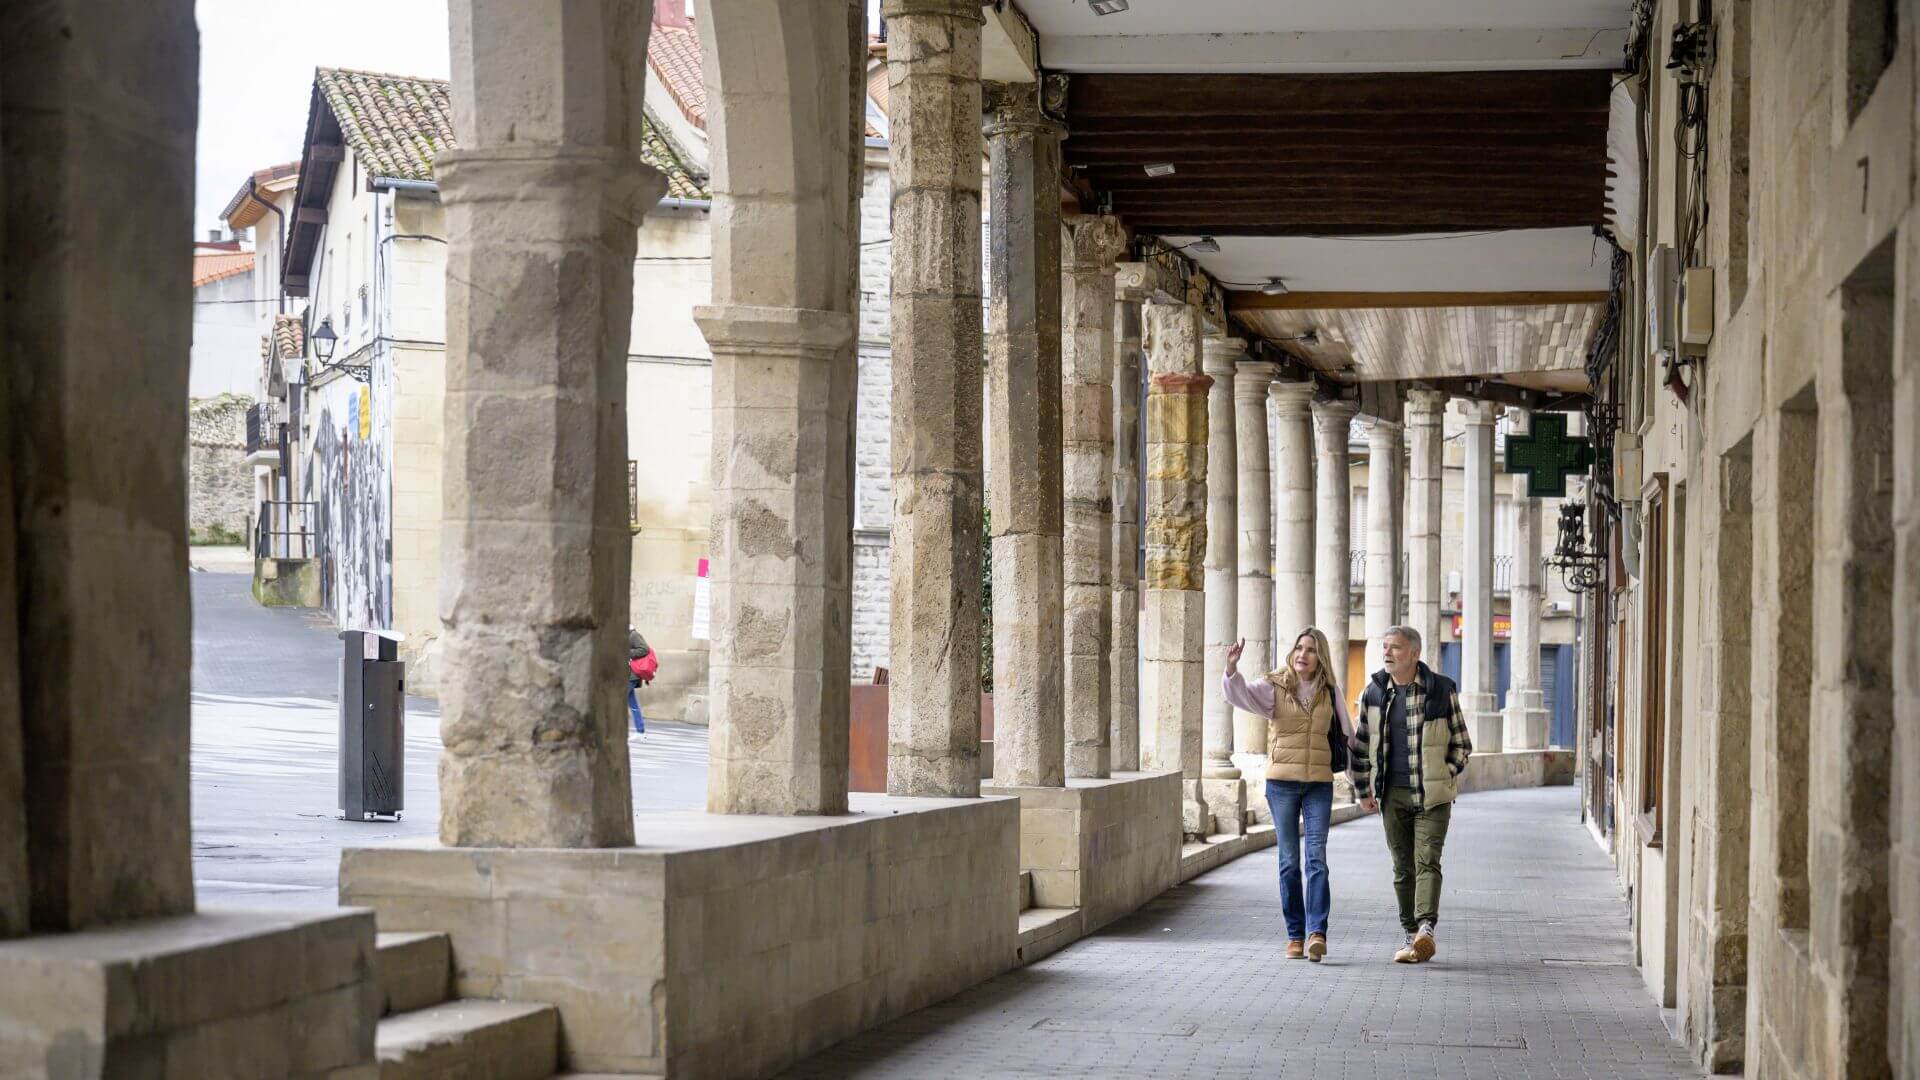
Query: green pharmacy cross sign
{"points": [[1548, 456]]}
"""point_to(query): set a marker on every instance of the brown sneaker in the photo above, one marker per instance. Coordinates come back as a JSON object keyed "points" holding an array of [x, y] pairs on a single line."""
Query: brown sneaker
{"points": [[1406, 955], [1423, 945], [1316, 947], [1296, 951]]}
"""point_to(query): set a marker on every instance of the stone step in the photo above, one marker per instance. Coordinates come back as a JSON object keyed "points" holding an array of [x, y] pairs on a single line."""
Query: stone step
{"points": [[413, 970], [470, 1037]]}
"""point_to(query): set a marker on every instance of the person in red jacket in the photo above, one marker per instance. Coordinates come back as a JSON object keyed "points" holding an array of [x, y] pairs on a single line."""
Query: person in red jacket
{"points": [[642, 665]]}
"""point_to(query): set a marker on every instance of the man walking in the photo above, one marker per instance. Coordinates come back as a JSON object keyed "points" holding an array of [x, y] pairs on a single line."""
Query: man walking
{"points": [[1410, 747]]}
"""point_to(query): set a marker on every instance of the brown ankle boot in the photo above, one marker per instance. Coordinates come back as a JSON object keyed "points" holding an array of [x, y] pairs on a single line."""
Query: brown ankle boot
{"points": [[1316, 947], [1296, 951]]}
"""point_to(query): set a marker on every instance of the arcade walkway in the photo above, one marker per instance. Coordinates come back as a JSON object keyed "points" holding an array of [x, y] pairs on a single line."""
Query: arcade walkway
{"points": [[1533, 978]]}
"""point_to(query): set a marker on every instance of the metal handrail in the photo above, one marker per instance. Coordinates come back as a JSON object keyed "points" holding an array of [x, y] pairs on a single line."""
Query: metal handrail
{"points": [[284, 530]]}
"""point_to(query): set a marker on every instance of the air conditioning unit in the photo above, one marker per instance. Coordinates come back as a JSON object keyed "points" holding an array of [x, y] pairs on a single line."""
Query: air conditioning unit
{"points": [[1628, 465]]}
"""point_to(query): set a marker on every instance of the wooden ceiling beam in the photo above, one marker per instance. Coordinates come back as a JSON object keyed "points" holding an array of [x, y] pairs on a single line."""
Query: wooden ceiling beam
{"points": [[1170, 144], [1398, 93], [1284, 124], [1360, 224], [1322, 301]]}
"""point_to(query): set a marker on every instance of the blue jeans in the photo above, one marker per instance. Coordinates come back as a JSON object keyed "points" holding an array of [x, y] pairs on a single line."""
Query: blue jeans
{"points": [[1291, 801], [633, 708]]}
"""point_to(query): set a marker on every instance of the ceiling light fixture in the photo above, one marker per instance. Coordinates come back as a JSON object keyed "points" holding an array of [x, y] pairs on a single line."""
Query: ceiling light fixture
{"points": [[1274, 286], [1107, 7], [1159, 168]]}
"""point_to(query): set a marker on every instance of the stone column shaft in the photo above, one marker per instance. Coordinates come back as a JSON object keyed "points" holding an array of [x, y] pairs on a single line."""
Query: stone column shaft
{"points": [[784, 380], [1426, 439], [1476, 616], [1293, 512], [1172, 684], [543, 201], [1124, 701], [1333, 532], [1023, 401], [933, 78], [1219, 360], [1256, 537], [1087, 436], [1383, 555], [1527, 721], [97, 103]]}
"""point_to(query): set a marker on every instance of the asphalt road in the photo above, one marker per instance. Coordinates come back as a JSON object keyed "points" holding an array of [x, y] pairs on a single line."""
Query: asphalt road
{"points": [[266, 818]]}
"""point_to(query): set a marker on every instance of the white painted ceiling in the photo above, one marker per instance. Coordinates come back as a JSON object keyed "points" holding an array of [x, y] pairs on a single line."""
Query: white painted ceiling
{"points": [[1530, 260], [1072, 17]]}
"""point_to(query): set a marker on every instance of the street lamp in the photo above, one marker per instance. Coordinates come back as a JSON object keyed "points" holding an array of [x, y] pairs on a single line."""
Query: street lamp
{"points": [[324, 341]]}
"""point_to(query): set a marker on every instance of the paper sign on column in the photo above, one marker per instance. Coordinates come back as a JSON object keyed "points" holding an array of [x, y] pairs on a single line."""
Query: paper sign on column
{"points": [[702, 604]]}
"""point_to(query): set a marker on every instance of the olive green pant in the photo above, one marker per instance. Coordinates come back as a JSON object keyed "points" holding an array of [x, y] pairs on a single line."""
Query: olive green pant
{"points": [[1415, 837]]}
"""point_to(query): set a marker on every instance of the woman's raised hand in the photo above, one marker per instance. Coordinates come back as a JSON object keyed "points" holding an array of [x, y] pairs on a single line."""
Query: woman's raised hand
{"points": [[1233, 655]]}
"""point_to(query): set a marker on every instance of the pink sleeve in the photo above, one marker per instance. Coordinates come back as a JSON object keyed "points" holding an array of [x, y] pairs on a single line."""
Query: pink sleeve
{"points": [[1249, 697]]}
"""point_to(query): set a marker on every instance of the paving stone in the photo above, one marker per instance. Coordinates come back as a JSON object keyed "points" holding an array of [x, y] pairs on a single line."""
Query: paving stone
{"points": [[1525, 884]]}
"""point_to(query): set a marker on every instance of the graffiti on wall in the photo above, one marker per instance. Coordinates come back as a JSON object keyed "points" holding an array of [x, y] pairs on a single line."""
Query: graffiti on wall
{"points": [[350, 478]]}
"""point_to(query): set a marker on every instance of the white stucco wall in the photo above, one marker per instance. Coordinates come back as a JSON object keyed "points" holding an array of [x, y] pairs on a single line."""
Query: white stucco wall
{"points": [[226, 338]]}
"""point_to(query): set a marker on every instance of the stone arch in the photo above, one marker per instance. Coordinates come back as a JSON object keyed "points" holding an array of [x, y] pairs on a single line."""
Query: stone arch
{"points": [[786, 93]]}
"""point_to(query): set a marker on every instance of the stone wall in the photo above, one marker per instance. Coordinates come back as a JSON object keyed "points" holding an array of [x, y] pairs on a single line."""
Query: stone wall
{"points": [[730, 945], [1103, 846], [219, 481], [1779, 909]]}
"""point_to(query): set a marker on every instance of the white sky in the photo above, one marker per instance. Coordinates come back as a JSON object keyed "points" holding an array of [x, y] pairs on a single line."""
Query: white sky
{"points": [[256, 75]]}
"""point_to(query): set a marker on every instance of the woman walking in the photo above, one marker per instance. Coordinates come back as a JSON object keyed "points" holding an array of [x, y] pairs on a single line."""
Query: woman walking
{"points": [[1307, 731], [641, 666]]}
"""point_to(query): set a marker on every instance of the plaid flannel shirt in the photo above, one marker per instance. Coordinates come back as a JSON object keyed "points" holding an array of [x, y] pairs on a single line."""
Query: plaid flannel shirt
{"points": [[1370, 740]]}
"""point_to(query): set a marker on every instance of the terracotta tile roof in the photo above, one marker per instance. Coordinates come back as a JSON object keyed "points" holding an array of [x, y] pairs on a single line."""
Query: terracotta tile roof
{"points": [[288, 341], [396, 124], [242, 211], [674, 54], [211, 266]]}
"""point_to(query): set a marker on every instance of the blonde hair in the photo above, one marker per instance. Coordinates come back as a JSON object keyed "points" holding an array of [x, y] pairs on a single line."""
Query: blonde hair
{"points": [[1287, 679]]}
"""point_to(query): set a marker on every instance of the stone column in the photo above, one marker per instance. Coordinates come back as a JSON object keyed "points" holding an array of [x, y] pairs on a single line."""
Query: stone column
{"points": [[1526, 719], [1086, 433], [1476, 601], [1383, 555], [1293, 512], [1256, 537], [1426, 439], [1173, 687], [1124, 701], [933, 79], [1023, 402], [1333, 533], [95, 610], [1219, 359], [543, 200]]}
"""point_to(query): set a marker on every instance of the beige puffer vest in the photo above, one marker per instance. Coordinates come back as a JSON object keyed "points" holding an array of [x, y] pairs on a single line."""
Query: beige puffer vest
{"points": [[1297, 746]]}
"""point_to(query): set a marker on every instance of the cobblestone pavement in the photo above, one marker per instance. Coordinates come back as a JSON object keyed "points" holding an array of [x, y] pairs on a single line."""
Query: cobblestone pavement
{"points": [[1533, 978], [266, 824]]}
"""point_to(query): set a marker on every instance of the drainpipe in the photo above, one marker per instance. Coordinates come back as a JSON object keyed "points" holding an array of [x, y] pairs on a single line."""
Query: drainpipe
{"points": [[279, 237]]}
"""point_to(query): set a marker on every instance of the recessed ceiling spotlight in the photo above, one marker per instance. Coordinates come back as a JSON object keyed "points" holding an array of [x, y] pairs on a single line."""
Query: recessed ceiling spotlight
{"points": [[1107, 7], [1205, 245], [1160, 168], [1274, 286]]}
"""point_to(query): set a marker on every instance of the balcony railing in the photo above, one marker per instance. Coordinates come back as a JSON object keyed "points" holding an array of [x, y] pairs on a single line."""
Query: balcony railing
{"points": [[263, 433], [284, 530]]}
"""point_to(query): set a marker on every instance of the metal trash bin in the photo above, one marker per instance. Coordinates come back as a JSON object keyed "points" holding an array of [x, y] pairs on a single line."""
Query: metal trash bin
{"points": [[373, 723]]}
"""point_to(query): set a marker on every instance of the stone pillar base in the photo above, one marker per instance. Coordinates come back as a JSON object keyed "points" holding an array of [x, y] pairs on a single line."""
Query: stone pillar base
{"points": [[809, 929], [1196, 820], [1227, 801], [1528, 724], [1485, 726], [1105, 846], [1253, 776], [217, 993]]}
